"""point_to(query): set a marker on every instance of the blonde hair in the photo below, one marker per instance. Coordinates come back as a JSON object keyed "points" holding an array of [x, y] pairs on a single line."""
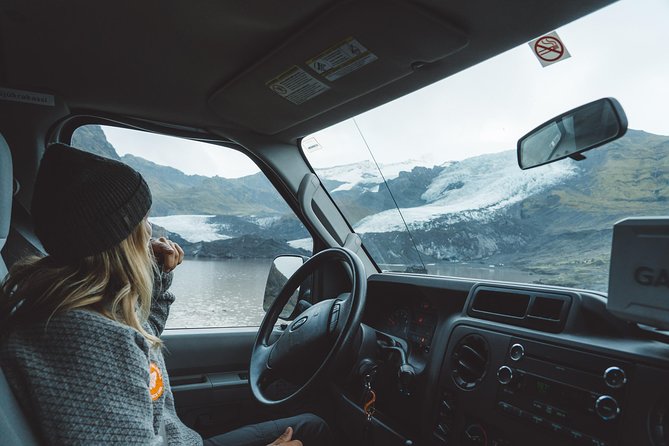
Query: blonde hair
{"points": [[117, 283]]}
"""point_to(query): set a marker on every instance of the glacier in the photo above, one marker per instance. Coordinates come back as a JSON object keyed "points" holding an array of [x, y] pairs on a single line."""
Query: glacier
{"points": [[303, 243], [475, 188], [194, 228]]}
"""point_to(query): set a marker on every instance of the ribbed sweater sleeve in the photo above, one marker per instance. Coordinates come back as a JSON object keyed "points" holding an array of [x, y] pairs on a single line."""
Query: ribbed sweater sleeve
{"points": [[161, 301]]}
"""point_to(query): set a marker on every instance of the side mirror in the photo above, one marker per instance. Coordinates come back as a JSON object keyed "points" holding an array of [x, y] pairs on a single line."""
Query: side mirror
{"points": [[282, 268], [583, 128]]}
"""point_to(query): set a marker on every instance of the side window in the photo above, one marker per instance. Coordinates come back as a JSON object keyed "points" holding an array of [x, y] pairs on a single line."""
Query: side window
{"points": [[222, 210]]}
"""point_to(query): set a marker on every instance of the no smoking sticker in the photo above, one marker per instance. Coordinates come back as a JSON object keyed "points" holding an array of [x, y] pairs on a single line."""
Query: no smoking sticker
{"points": [[549, 49]]}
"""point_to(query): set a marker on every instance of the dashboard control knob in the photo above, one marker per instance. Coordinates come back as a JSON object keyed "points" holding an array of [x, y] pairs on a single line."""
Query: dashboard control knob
{"points": [[615, 377], [516, 352], [475, 435], [504, 375], [607, 407]]}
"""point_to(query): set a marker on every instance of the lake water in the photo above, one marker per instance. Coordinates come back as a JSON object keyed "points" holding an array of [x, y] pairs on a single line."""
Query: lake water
{"points": [[229, 293], [218, 293]]}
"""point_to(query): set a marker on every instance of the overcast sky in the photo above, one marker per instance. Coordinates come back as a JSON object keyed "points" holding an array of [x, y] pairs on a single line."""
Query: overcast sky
{"points": [[619, 51]]}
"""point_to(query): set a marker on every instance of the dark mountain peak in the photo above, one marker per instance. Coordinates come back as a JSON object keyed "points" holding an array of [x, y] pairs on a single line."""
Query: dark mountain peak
{"points": [[92, 139]]}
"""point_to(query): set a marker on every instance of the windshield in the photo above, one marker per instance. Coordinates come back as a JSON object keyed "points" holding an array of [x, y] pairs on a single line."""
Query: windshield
{"points": [[449, 197]]}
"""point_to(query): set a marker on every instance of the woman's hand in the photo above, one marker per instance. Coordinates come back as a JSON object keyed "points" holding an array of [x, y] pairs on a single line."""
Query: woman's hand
{"points": [[284, 439], [167, 253]]}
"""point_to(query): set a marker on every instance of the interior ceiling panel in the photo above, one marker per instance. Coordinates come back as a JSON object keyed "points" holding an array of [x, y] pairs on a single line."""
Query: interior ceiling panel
{"points": [[164, 60], [380, 58]]}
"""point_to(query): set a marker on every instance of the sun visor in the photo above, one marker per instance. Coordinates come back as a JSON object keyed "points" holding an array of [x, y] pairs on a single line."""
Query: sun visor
{"points": [[639, 275], [341, 55]]}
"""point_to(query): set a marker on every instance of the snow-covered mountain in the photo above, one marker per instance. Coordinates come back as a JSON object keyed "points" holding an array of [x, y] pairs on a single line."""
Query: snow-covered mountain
{"points": [[475, 188], [365, 174], [209, 228], [193, 228]]}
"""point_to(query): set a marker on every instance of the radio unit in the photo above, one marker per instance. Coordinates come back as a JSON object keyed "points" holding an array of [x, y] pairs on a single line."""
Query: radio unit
{"points": [[583, 405]]}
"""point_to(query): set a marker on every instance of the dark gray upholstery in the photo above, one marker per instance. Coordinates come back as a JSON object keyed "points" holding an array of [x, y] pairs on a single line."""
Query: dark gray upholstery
{"points": [[6, 191], [14, 427]]}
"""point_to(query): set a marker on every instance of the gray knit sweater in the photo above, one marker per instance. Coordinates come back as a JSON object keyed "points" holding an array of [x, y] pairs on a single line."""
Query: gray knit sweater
{"points": [[87, 380]]}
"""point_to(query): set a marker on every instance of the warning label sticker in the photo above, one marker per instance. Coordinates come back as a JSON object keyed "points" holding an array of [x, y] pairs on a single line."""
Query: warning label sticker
{"points": [[28, 97], [549, 49], [341, 59], [296, 85]]}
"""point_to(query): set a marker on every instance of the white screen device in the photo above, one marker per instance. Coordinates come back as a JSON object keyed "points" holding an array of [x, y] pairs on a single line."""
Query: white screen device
{"points": [[639, 274]]}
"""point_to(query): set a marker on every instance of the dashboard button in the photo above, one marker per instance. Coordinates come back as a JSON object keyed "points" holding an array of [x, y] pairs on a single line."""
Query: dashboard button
{"points": [[536, 419], [597, 442], [607, 407], [538, 405], [504, 375], [556, 427], [575, 435], [615, 377], [506, 407], [560, 413], [516, 352]]}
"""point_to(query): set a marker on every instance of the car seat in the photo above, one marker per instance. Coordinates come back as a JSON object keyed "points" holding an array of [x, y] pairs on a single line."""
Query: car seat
{"points": [[14, 426]]}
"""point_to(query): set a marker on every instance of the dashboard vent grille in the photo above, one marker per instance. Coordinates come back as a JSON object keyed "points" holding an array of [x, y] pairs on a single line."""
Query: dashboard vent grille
{"points": [[469, 361], [502, 303], [538, 310]]}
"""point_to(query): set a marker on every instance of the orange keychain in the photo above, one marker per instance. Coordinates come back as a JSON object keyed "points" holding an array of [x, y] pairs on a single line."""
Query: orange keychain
{"points": [[369, 405], [370, 398]]}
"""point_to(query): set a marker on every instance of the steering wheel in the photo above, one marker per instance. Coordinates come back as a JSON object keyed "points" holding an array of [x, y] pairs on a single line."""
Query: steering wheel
{"points": [[315, 338]]}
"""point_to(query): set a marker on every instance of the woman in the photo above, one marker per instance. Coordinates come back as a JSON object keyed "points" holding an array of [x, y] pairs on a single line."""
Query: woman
{"points": [[80, 327]]}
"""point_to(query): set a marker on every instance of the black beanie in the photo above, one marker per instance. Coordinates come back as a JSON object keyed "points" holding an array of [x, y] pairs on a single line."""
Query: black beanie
{"points": [[84, 204]]}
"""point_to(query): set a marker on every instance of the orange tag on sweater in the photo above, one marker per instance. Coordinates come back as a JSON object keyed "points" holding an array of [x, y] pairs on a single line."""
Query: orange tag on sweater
{"points": [[156, 384]]}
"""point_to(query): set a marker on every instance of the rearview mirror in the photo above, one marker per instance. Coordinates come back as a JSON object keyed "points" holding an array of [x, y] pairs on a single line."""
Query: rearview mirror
{"points": [[572, 133], [282, 268]]}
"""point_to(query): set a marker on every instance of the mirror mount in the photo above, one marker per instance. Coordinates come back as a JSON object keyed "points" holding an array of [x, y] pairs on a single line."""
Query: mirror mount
{"points": [[283, 267], [572, 133]]}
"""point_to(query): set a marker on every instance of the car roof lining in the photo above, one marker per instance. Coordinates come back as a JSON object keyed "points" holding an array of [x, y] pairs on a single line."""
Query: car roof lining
{"points": [[417, 37], [206, 65]]}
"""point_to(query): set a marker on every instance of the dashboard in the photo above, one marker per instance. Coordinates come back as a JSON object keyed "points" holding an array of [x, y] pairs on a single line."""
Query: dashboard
{"points": [[458, 362], [414, 322]]}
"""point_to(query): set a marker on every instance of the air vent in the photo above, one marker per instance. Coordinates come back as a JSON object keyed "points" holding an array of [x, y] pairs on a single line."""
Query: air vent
{"points": [[499, 302], [547, 308], [469, 361], [524, 308]]}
